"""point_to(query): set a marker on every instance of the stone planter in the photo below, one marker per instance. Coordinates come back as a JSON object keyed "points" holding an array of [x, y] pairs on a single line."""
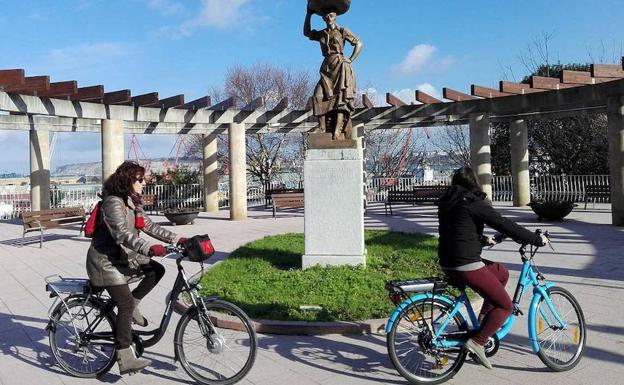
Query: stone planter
{"points": [[552, 210], [181, 216]]}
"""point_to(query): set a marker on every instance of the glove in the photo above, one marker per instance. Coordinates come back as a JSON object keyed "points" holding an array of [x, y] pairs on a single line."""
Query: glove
{"points": [[181, 241], [157, 251]]}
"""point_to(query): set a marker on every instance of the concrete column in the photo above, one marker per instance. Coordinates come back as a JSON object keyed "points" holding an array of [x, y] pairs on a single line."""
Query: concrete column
{"points": [[480, 151], [238, 172], [615, 113], [112, 146], [519, 140], [211, 178], [39, 170]]}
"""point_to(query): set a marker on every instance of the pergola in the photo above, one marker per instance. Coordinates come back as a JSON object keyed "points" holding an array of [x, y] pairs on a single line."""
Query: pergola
{"points": [[38, 106]]}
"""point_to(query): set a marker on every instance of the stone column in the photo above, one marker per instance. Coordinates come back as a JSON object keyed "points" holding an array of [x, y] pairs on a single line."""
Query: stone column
{"points": [[238, 172], [211, 178], [480, 151], [112, 146], [615, 113], [39, 170], [520, 162]]}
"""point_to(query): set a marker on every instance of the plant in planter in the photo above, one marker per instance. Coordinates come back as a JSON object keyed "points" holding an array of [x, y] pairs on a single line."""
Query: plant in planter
{"points": [[181, 216], [551, 210]]}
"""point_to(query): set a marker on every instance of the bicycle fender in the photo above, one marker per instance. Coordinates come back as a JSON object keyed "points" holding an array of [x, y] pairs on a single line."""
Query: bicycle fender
{"points": [[538, 293], [407, 302]]}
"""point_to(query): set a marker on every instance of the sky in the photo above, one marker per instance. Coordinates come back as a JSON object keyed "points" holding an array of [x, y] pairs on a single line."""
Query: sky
{"points": [[186, 46]]}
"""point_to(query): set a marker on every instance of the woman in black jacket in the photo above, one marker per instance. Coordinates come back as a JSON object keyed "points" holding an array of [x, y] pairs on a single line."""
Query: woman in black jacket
{"points": [[462, 213]]}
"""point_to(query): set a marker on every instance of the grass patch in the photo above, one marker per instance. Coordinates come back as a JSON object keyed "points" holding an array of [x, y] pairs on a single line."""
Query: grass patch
{"points": [[264, 277]]}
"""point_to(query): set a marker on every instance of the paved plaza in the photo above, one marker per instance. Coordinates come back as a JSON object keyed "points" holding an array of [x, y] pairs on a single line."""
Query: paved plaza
{"points": [[587, 260]]}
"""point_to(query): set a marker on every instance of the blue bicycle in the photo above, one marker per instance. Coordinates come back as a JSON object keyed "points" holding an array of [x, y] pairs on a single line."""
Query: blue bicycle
{"points": [[427, 329]]}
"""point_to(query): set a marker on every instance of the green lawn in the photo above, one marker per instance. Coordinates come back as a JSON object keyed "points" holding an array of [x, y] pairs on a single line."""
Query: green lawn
{"points": [[265, 278]]}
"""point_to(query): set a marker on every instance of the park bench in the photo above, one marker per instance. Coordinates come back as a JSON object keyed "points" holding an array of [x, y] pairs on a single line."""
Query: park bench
{"points": [[593, 191], [268, 194], [417, 195], [48, 219], [287, 200]]}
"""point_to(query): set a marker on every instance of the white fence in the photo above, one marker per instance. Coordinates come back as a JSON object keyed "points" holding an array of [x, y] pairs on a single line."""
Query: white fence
{"points": [[16, 199]]}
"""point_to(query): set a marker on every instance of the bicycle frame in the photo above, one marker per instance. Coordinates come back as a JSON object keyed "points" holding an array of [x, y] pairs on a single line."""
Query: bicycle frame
{"points": [[528, 276]]}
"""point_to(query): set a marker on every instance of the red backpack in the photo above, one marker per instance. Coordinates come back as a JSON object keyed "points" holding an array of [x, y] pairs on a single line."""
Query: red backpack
{"points": [[91, 223]]}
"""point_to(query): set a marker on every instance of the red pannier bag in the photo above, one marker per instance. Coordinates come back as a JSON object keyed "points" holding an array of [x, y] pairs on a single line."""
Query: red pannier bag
{"points": [[199, 248], [91, 223]]}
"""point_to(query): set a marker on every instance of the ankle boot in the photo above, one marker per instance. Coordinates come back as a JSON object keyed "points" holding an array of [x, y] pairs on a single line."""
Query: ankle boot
{"points": [[128, 363], [137, 317]]}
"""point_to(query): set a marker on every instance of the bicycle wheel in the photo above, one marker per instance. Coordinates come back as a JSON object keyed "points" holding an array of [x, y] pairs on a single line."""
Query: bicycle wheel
{"points": [[72, 342], [560, 348], [216, 345], [410, 347]]}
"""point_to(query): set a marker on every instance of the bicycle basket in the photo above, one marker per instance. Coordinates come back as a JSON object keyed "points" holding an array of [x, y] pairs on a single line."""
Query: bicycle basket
{"points": [[198, 248]]}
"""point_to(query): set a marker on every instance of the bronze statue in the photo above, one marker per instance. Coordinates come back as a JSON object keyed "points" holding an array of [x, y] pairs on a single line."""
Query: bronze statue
{"points": [[334, 95]]}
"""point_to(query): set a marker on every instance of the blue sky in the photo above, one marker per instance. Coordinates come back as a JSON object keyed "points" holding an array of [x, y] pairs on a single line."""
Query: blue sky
{"points": [[175, 46]]}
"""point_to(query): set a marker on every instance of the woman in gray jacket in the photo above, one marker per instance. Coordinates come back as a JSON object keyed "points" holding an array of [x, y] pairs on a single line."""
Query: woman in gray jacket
{"points": [[118, 253]]}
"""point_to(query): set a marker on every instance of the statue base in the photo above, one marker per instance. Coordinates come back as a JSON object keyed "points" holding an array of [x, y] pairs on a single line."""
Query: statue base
{"points": [[321, 141], [334, 206]]}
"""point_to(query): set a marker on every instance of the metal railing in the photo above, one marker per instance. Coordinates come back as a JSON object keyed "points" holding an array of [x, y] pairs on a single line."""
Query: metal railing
{"points": [[16, 199]]}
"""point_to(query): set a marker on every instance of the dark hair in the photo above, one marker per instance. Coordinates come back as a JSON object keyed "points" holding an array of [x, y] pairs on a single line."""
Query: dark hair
{"points": [[121, 181], [466, 178]]}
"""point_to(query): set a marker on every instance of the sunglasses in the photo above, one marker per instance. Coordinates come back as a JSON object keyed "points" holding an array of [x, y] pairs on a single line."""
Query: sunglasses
{"points": [[140, 180]]}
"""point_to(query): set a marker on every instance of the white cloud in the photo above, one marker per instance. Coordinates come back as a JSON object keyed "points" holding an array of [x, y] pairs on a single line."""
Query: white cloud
{"points": [[408, 95], [422, 58], [87, 54], [429, 90], [215, 13], [166, 7]]}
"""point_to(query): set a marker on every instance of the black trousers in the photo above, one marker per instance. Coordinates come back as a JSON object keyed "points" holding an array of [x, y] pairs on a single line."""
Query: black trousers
{"points": [[124, 298]]}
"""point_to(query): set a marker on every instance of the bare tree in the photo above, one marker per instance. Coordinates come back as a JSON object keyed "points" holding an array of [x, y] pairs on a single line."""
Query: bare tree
{"points": [[267, 153], [455, 141]]}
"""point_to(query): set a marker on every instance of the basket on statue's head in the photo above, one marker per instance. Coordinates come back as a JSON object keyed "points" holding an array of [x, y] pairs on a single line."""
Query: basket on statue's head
{"points": [[322, 7]]}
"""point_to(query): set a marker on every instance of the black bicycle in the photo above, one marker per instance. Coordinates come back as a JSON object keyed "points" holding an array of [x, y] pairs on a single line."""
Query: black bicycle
{"points": [[215, 341]]}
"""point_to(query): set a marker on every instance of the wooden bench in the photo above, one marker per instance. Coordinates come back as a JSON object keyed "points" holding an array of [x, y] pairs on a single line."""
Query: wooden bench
{"points": [[593, 191], [48, 219], [417, 195], [268, 194], [287, 201]]}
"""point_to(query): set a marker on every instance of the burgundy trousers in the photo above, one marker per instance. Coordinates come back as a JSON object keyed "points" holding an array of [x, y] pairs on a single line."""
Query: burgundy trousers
{"points": [[489, 282]]}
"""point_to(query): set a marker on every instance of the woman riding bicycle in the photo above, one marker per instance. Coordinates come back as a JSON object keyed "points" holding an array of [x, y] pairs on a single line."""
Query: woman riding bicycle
{"points": [[463, 211], [118, 253]]}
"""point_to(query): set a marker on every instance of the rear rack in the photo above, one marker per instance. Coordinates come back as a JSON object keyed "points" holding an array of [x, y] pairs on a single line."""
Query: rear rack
{"points": [[432, 284]]}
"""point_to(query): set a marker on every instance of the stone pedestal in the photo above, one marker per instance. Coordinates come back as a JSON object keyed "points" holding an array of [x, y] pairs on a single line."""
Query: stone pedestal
{"points": [[334, 212]]}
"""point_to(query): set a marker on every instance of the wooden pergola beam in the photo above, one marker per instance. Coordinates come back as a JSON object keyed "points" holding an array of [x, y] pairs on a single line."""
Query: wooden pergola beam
{"points": [[149, 99], [486, 92], [546, 83], [607, 71], [32, 85], [451, 94], [61, 89], [282, 105], [118, 97], [516, 88], [255, 104], [576, 77], [203, 102], [366, 102], [394, 101], [172, 101], [225, 105], [13, 77], [91, 93], [425, 98]]}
